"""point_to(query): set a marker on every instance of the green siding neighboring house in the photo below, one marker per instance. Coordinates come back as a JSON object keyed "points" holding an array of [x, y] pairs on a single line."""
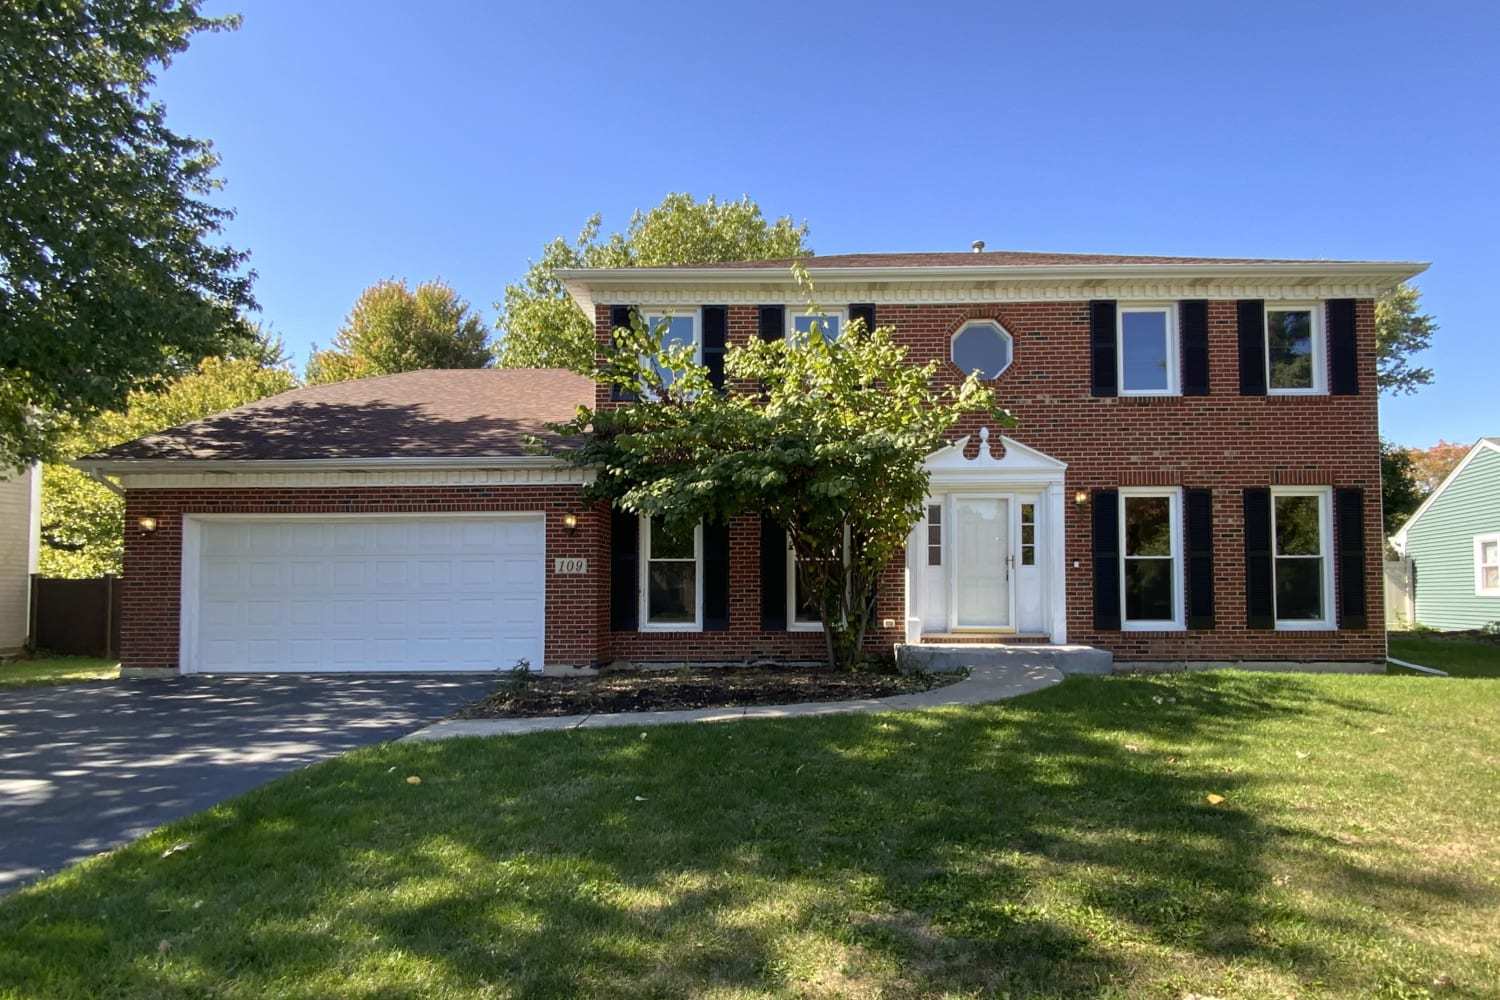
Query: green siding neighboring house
{"points": [[1452, 583]]}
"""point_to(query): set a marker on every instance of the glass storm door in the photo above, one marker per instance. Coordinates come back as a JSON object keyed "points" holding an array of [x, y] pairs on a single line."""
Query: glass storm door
{"points": [[982, 562]]}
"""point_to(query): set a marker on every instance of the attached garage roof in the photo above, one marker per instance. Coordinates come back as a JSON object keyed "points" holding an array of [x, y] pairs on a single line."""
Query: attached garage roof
{"points": [[445, 413]]}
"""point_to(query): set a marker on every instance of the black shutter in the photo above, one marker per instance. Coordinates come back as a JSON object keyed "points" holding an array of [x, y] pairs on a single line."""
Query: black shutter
{"points": [[624, 570], [1200, 558], [1106, 379], [1349, 524], [866, 312], [1252, 325], [1260, 599], [1106, 558], [772, 322], [620, 317], [1343, 353], [715, 576], [773, 558], [715, 335], [1193, 315]]}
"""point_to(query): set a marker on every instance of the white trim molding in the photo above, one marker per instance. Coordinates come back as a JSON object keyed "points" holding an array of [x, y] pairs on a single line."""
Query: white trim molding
{"points": [[329, 478], [976, 283], [1175, 555], [1324, 496]]}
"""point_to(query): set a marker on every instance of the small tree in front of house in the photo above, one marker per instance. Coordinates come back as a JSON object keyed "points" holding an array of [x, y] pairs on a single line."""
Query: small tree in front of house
{"points": [[827, 437]]}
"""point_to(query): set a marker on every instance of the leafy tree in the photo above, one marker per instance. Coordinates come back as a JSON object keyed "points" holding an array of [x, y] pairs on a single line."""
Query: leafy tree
{"points": [[828, 438], [541, 326], [1431, 466], [395, 329], [1400, 490], [1400, 332], [82, 520], [110, 274]]}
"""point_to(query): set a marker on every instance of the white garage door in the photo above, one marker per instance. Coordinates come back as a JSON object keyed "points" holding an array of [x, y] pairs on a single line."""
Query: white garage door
{"points": [[363, 593]]}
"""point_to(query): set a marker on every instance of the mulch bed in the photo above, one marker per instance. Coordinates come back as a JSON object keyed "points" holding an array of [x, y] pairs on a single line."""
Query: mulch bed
{"points": [[717, 687]]}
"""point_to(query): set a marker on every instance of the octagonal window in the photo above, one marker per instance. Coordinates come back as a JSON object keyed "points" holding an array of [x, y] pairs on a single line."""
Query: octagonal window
{"points": [[982, 347]]}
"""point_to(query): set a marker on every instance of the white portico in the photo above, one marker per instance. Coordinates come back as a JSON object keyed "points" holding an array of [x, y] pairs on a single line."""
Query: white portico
{"points": [[987, 556]]}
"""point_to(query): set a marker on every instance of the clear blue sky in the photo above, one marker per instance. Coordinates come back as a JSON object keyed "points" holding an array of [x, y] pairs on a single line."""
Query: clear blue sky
{"points": [[448, 139]]}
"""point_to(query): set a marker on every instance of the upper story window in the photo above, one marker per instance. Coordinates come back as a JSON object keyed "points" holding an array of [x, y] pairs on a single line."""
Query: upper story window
{"points": [[1148, 351], [679, 328], [671, 576], [799, 325], [1151, 567], [1301, 534], [1296, 362], [1487, 565], [982, 347]]}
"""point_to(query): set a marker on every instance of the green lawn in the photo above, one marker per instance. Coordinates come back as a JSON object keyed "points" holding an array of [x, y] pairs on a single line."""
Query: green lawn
{"points": [[1461, 657], [1063, 844], [58, 670]]}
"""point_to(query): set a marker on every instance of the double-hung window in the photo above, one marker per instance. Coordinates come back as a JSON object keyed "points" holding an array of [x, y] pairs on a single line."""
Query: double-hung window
{"points": [[671, 576], [803, 611], [1151, 563], [1487, 565], [1296, 360], [1148, 351], [1302, 539], [678, 328], [800, 324]]}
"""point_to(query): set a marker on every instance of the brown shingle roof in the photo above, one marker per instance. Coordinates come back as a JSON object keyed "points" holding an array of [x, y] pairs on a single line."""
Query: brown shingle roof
{"points": [[994, 258], [455, 413]]}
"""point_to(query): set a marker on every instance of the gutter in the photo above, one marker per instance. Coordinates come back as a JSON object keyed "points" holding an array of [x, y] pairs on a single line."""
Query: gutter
{"points": [[124, 466]]}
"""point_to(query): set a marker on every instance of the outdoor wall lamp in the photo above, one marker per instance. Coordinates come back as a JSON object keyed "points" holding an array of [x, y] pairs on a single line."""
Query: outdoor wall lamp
{"points": [[146, 524], [1081, 497], [570, 521]]}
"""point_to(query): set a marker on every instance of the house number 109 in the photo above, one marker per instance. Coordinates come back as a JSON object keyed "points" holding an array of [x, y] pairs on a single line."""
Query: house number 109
{"points": [[570, 567]]}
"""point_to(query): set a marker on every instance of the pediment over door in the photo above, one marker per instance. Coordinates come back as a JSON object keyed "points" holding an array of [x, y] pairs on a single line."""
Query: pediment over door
{"points": [[1017, 463]]}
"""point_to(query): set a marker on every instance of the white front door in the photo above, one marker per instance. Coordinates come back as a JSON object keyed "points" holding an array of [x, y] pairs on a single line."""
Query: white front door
{"points": [[981, 563]]}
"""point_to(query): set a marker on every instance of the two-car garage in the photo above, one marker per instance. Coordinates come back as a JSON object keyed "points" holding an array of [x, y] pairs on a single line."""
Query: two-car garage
{"points": [[317, 593]]}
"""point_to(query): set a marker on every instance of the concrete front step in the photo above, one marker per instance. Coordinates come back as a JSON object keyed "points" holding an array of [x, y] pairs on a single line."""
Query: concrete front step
{"points": [[943, 657]]}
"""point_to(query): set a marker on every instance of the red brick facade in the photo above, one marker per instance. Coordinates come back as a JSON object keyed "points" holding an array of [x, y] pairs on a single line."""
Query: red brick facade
{"points": [[1223, 441]]}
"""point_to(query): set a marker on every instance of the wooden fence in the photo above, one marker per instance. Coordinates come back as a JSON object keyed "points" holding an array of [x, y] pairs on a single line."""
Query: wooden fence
{"points": [[76, 617]]}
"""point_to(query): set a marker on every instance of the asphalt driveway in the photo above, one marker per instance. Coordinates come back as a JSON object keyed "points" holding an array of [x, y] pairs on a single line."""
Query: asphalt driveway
{"points": [[86, 767]]}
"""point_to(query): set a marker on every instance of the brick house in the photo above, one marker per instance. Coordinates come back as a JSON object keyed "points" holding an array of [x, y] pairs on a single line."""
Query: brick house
{"points": [[1195, 475]]}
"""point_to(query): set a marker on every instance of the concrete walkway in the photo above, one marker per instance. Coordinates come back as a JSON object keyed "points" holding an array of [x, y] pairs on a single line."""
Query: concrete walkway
{"points": [[984, 684]]}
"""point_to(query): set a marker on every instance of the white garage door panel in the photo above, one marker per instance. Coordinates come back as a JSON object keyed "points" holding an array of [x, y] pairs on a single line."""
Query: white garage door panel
{"points": [[367, 594]]}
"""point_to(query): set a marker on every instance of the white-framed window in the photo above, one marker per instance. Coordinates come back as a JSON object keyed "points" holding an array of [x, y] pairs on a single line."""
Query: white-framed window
{"points": [[681, 327], [982, 347], [934, 534], [830, 322], [1302, 563], [1151, 558], [802, 611], [1296, 357], [671, 577], [1487, 565], [1028, 534], [1146, 346]]}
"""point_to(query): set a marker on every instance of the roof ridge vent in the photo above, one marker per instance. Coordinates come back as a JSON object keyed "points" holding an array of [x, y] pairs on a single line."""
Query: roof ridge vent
{"points": [[978, 246]]}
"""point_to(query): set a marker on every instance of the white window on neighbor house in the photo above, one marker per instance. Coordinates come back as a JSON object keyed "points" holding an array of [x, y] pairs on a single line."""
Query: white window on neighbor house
{"points": [[1296, 360], [679, 328], [982, 347], [671, 576], [1151, 558], [1147, 349], [1302, 540], [1487, 565], [801, 323]]}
